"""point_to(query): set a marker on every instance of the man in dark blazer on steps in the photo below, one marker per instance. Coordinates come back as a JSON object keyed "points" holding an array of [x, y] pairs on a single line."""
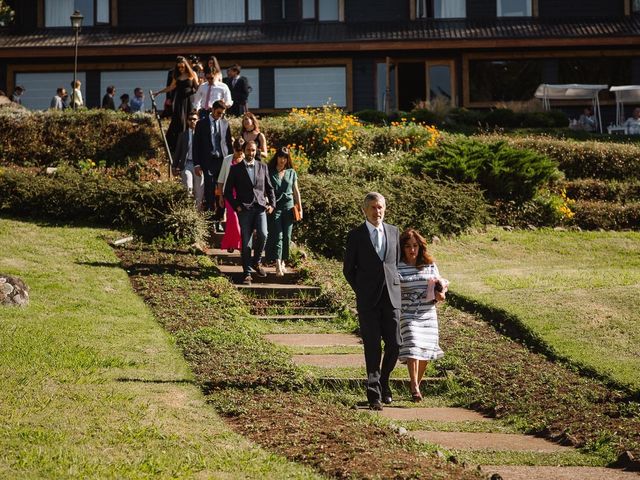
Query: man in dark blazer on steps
{"points": [[254, 199], [371, 268], [239, 88], [211, 143]]}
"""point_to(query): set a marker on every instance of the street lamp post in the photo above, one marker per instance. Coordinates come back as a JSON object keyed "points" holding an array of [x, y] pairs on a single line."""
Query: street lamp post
{"points": [[76, 24]]}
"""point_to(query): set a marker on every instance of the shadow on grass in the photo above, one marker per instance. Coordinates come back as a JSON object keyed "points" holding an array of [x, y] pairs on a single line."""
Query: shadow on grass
{"points": [[157, 381], [511, 326]]}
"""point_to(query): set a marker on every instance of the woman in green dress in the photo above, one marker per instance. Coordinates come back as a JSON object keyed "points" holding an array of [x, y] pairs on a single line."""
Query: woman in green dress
{"points": [[280, 223]]}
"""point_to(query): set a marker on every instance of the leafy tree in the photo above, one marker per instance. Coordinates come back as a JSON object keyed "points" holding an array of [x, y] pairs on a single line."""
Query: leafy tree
{"points": [[6, 14]]}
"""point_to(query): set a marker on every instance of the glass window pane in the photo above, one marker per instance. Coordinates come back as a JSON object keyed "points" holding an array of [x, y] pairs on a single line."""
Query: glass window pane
{"points": [[255, 10], [57, 13], [381, 72], [450, 8], [102, 11], [329, 10], [308, 8], [440, 82], [421, 9], [514, 8], [310, 87], [41, 87], [508, 80], [595, 71], [128, 80], [218, 11], [636, 5], [85, 7]]}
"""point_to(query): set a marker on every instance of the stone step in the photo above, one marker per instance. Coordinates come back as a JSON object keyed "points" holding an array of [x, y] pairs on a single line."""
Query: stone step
{"points": [[314, 339], [330, 361], [283, 309], [558, 473], [225, 258], [279, 290], [433, 414], [235, 273], [397, 384], [295, 318], [489, 441]]}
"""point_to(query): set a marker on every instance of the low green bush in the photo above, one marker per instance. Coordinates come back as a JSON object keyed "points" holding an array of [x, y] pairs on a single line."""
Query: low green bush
{"points": [[375, 117], [147, 208], [332, 205], [502, 171], [594, 215], [53, 138], [590, 159], [608, 190]]}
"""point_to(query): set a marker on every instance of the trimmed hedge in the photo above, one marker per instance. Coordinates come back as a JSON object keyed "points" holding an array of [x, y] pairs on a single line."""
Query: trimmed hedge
{"points": [[69, 195], [504, 172], [608, 190], [594, 215], [619, 161], [333, 206], [53, 138]]}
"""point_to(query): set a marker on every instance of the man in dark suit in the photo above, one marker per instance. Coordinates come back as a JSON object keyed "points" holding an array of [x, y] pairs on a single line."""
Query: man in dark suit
{"points": [[371, 268], [107, 100], [240, 89], [254, 199], [211, 143]]}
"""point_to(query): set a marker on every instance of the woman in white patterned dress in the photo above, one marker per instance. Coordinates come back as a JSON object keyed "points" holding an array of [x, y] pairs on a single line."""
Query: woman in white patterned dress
{"points": [[418, 317]]}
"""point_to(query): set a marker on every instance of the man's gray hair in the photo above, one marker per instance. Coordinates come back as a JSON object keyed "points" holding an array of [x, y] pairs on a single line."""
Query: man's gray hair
{"points": [[372, 197]]}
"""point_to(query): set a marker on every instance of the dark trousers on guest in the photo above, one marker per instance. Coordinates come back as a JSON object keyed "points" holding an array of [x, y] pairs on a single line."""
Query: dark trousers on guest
{"points": [[379, 321], [210, 181], [253, 219]]}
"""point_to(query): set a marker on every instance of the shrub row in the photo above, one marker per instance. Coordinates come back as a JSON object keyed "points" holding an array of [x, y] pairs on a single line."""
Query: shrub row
{"points": [[620, 161], [150, 209], [333, 207], [504, 172], [52, 138], [608, 190], [594, 215]]}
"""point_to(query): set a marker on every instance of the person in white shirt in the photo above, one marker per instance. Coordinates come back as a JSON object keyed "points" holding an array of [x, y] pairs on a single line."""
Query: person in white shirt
{"points": [[632, 125], [210, 91], [183, 162], [76, 95], [58, 100]]}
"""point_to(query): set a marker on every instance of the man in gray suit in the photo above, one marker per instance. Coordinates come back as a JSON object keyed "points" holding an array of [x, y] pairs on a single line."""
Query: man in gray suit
{"points": [[371, 268]]}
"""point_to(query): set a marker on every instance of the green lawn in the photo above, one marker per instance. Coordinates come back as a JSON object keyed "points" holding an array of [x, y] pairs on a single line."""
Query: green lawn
{"points": [[91, 386], [579, 291]]}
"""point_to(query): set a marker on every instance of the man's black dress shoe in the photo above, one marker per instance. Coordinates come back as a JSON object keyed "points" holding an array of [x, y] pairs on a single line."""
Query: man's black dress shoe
{"points": [[387, 399], [377, 405]]}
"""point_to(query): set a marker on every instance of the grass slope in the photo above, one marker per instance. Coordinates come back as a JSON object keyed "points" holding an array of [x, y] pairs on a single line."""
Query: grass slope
{"points": [[577, 291], [91, 385]]}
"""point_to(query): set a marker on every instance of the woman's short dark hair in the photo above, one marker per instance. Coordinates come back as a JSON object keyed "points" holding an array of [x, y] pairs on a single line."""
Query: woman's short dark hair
{"points": [[423, 256], [281, 152]]}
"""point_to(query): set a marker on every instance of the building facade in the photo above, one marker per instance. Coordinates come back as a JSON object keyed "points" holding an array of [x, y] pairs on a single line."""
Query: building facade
{"points": [[357, 54]]}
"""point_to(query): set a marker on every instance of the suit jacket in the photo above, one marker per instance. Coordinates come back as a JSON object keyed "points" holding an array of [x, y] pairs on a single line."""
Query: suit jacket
{"points": [[107, 102], [364, 270], [203, 144], [182, 148], [247, 194], [239, 92]]}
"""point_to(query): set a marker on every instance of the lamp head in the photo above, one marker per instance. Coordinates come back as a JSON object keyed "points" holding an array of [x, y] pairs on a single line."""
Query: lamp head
{"points": [[76, 20]]}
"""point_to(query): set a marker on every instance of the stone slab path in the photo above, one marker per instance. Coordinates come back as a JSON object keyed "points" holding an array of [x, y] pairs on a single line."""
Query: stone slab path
{"points": [[330, 361], [559, 473], [315, 339], [489, 441], [433, 414]]}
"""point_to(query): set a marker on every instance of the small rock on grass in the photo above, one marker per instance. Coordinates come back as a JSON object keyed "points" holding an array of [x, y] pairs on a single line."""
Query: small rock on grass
{"points": [[13, 291]]}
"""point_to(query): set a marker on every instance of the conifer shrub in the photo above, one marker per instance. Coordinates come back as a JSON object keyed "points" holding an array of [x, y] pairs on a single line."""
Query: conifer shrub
{"points": [[504, 172]]}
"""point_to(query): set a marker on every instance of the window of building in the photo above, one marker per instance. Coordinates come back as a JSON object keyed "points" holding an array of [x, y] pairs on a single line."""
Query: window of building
{"points": [[504, 80], [514, 8], [226, 11], [42, 87], [635, 6], [595, 71], [57, 12], [440, 8], [386, 98], [310, 87], [127, 81], [440, 82], [322, 10]]}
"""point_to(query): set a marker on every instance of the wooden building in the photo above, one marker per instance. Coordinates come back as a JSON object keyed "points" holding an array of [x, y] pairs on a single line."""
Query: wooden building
{"points": [[358, 54]]}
